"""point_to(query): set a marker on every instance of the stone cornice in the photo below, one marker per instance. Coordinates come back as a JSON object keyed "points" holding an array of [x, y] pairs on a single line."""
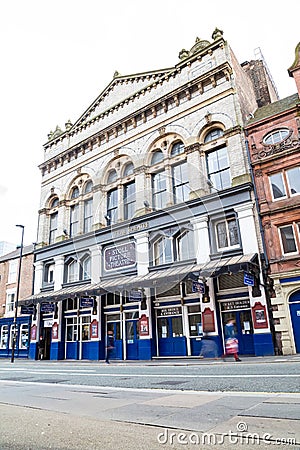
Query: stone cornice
{"points": [[176, 97]]}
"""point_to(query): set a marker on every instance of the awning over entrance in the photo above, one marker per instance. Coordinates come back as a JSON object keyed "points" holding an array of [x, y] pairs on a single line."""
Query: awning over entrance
{"points": [[61, 294], [230, 265], [154, 278]]}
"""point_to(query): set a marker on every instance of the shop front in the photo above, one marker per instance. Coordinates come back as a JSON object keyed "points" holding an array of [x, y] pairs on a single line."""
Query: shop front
{"points": [[7, 330]]}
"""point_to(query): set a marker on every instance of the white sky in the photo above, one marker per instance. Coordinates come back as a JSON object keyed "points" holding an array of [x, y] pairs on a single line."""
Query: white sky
{"points": [[58, 55]]}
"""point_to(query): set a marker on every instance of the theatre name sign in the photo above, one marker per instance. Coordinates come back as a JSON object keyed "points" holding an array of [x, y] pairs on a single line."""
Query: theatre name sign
{"points": [[120, 256]]}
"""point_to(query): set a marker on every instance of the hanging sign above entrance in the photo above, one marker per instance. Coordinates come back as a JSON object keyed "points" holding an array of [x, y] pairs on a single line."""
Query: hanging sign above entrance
{"points": [[198, 286], [47, 307], [86, 302], [248, 279]]}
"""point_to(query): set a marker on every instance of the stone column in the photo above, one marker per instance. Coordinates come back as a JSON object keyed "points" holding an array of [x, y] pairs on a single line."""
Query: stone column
{"points": [[201, 237], [38, 276], [58, 272]]}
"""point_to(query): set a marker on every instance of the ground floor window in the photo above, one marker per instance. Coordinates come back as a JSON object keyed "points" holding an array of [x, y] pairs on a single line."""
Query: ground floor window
{"points": [[195, 322], [4, 336], [71, 329], [24, 336]]}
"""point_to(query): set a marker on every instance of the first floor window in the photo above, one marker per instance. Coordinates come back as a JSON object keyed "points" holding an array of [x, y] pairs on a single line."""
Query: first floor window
{"points": [[163, 252], [10, 302], [73, 272], [185, 246], [227, 233], [288, 239], [293, 176], [4, 336]]}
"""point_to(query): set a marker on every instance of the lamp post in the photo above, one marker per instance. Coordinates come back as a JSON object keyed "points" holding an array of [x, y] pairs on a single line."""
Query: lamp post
{"points": [[14, 341]]}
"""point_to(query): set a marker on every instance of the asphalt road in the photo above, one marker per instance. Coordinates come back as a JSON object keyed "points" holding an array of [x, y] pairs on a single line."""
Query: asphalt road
{"points": [[72, 405], [272, 375]]}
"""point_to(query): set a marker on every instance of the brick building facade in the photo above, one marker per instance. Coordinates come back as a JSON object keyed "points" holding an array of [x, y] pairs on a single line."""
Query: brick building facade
{"points": [[274, 144]]}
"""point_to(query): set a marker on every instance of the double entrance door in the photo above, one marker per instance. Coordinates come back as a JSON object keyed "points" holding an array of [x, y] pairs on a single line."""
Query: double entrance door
{"points": [[243, 329], [78, 337], [125, 328]]}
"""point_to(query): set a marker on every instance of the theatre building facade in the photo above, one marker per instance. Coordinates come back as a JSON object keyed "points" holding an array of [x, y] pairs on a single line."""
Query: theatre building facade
{"points": [[147, 221]]}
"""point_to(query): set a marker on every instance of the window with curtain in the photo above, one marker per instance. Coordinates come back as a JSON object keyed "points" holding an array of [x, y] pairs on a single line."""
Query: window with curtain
{"points": [[288, 240], [227, 233]]}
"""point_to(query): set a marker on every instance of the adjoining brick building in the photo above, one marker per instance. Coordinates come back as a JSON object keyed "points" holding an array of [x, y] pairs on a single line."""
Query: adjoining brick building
{"points": [[9, 267], [274, 145], [147, 221]]}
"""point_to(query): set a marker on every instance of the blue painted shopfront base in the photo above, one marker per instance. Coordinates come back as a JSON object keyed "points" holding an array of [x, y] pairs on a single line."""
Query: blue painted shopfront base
{"points": [[145, 349], [210, 348], [33, 351], [263, 344], [57, 350], [172, 346]]}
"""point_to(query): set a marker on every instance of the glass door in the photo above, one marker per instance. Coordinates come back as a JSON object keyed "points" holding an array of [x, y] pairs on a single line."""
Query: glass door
{"points": [[243, 329], [132, 335]]}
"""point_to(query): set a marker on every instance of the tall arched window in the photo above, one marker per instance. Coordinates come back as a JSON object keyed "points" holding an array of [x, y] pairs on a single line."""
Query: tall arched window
{"points": [[88, 207], [177, 149], [53, 221], [218, 168]]}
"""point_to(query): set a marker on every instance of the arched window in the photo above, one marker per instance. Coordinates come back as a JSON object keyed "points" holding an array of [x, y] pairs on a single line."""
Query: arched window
{"points": [[128, 170], [157, 157], [88, 187], [86, 268], [112, 176], [72, 271], [54, 203], [177, 149], [213, 134], [75, 193]]}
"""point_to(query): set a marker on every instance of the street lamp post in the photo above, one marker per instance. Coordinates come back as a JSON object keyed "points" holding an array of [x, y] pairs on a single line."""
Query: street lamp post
{"points": [[17, 298]]}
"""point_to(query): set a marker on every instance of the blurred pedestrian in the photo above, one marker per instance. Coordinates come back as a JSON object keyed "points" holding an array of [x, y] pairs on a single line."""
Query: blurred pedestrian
{"points": [[209, 348], [231, 341], [109, 345], [41, 348]]}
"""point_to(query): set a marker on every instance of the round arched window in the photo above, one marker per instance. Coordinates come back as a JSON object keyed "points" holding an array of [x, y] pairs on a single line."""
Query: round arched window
{"points": [[75, 192], [177, 148], [213, 134], [88, 187], [128, 169], [157, 157], [54, 203], [112, 176]]}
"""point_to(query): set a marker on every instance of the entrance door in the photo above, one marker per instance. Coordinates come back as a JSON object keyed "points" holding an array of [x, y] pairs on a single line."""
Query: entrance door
{"points": [[244, 329], [132, 336], [78, 337], [47, 339], [113, 324], [171, 341], [295, 318]]}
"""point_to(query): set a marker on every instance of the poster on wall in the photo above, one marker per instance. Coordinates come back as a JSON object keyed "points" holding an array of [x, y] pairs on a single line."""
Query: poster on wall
{"points": [[94, 329], [259, 315], [144, 325]]}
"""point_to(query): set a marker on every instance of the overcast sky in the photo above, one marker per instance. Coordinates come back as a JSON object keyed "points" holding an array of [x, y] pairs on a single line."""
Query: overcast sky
{"points": [[58, 55]]}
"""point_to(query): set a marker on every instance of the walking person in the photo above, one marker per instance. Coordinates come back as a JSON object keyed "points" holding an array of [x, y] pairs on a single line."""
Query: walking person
{"points": [[41, 348], [231, 341], [109, 345]]}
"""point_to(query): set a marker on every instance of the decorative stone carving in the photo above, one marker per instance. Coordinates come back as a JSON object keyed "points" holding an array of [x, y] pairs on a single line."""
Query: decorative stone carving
{"points": [[217, 34]]}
